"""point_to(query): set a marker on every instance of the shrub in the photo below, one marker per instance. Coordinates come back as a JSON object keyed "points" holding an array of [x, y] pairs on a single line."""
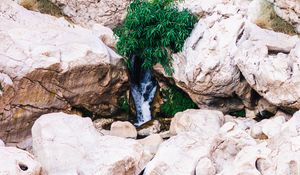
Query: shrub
{"points": [[175, 100], [152, 31]]}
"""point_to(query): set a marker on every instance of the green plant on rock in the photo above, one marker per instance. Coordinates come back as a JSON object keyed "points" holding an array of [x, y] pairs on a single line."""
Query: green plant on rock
{"points": [[175, 100], [152, 31], [123, 104]]}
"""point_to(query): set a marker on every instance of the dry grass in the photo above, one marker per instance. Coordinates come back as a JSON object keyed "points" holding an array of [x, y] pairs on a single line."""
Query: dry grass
{"points": [[270, 20], [43, 6]]}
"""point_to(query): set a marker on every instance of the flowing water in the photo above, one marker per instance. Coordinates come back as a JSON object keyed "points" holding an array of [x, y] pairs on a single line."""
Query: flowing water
{"points": [[143, 87]]}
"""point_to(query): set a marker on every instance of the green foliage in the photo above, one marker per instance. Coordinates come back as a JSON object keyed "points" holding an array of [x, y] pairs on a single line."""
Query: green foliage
{"points": [[240, 113], [175, 101], [153, 30], [123, 104]]}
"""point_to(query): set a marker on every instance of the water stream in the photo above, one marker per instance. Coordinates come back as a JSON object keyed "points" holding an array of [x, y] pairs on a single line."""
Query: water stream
{"points": [[143, 87]]}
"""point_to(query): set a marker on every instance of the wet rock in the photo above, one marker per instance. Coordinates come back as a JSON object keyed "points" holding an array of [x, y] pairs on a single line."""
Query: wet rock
{"points": [[68, 144], [123, 129], [48, 64], [14, 161]]}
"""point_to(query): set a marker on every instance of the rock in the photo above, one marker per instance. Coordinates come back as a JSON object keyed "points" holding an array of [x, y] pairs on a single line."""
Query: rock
{"points": [[269, 61], [179, 155], [48, 64], [123, 129], [205, 69], [105, 12], [25, 145], [149, 128], [103, 125], [267, 128], [289, 11], [250, 160], [197, 120], [230, 141], [205, 167], [68, 144], [151, 143], [1, 143], [264, 109], [18, 162]]}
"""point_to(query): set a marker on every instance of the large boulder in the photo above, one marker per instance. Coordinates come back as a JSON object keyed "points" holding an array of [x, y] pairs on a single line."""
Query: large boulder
{"points": [[269, 61], [205, 69], [196, 130], [106, 12], [14, 161], [48, 64], [68, 144]]}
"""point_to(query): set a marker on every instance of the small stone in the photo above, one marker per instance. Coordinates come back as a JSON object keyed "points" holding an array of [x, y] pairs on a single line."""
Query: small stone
{"points": [[123, 129]]}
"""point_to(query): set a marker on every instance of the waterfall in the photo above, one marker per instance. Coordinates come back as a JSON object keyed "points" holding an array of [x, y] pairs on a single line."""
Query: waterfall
{"points": [[143, 87]]}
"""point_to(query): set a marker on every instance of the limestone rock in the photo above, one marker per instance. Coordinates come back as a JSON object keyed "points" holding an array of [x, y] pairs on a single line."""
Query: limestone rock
{"points": [[103, 125], [14, 161], [48, 64], [197, 120], [68, 144], [148, 128], [1, 143], [267, 128], [289, 11], [25, 145], [205, 69], [106, 12], [123, 129], [180, 154], [205, 167], [151, 143], [269, 61]]}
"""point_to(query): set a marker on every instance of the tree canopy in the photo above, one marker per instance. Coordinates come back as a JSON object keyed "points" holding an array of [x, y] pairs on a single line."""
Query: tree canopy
{"points": [[153, 30]]}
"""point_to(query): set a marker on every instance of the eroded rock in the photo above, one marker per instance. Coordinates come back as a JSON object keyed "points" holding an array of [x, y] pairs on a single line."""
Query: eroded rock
{"points": [[69, 144], [47, 65], [14, 161], [105, 12], [269, 61]]}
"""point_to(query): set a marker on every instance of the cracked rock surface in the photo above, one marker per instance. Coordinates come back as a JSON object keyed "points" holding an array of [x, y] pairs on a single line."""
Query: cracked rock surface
{"points": [[270, 63], [229, 149], [47, 65], [109, 13]]}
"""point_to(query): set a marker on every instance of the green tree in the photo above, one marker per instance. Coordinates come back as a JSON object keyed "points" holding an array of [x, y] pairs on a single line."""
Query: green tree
{"points": [[153, 30]]}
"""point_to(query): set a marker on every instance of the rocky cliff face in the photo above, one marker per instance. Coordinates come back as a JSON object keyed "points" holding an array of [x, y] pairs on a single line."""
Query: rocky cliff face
{"points": [[48, 64], [228, 58]]}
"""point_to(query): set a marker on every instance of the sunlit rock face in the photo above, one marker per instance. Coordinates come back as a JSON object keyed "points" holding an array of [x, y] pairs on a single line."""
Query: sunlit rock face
{"points": [[68, 144], [109, 13], [48, 64]]}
